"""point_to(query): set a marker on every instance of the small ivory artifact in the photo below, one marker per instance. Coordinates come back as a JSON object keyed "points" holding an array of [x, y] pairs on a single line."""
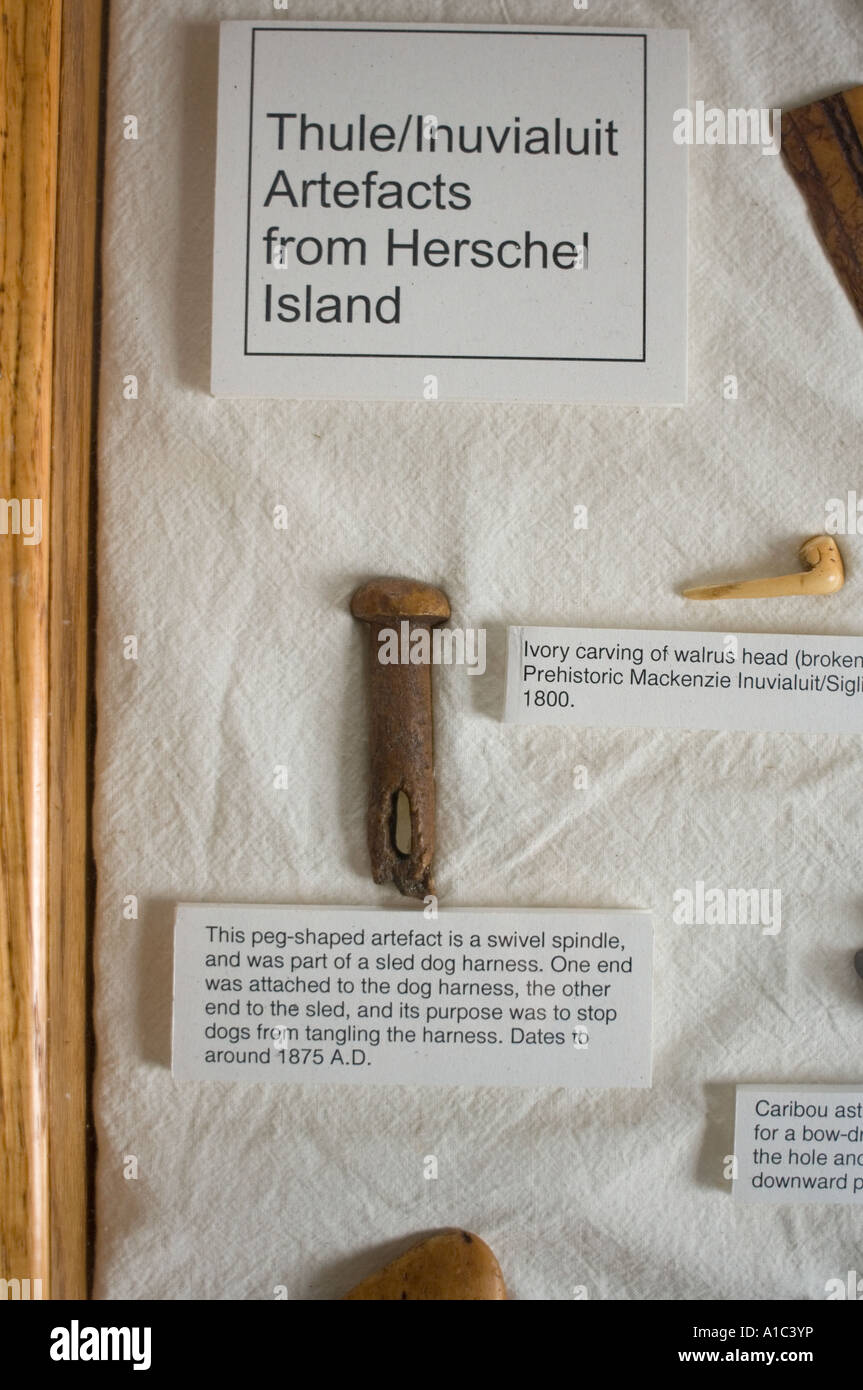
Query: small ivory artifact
{"points": [[825, 575], [451, 1266]]}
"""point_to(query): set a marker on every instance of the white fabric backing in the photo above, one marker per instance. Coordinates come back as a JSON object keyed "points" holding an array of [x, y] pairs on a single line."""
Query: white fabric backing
{"points": [[248, 658]]}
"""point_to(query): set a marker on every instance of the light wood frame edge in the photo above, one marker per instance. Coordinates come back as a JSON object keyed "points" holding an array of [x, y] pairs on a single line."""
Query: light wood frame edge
{"points": [[51, 60]]}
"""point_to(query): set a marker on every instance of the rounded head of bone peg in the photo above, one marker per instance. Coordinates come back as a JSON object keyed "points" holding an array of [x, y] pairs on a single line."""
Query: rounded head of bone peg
{"points": [[388, 600], [827, 572]]}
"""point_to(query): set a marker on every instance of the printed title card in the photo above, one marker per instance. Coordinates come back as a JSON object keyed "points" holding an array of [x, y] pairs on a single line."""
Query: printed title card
{"points": [[417, 212]]}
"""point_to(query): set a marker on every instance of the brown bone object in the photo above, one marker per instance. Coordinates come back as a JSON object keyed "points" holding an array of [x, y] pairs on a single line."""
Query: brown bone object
{"points": [[453, 1265], [402, 758], [823, 147]]}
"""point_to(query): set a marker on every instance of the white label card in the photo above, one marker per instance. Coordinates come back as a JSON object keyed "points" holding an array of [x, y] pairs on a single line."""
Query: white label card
{"points": [[470, 997], [617, 677], [799, 1144], [423, 212]]}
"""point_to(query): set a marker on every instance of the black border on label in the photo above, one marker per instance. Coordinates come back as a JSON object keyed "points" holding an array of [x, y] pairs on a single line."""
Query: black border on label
{"points": [[422, 29]]}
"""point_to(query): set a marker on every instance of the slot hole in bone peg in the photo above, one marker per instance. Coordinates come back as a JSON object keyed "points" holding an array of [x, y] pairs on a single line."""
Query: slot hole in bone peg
{"points": [[402, 835]]}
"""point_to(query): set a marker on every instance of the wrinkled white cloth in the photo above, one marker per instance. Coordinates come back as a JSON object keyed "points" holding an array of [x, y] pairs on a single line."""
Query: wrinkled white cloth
{"points": [[248, 658]]}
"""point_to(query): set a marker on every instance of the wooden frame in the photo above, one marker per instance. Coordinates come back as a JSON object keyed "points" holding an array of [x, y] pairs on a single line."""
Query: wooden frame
{"points": [[51, 60]]}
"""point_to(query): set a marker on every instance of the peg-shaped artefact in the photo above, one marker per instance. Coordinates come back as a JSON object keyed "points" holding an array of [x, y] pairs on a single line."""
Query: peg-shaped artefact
{"points": [[401, 831]]}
